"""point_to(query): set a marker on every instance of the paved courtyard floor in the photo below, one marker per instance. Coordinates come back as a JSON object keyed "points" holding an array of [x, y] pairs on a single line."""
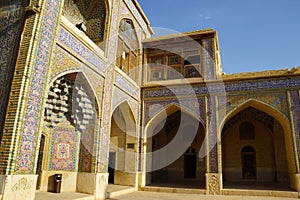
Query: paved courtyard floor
{"points": [[175, 196]]}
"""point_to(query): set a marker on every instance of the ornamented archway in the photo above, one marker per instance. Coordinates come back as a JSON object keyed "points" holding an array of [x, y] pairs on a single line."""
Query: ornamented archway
{"points": [[271, 139], [71, 119], [170, 134]]}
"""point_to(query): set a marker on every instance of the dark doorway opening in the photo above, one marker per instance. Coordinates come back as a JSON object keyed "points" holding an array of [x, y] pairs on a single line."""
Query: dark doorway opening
{"points": [[249, 164], [40, 162], [190, 164], [111, 167]]}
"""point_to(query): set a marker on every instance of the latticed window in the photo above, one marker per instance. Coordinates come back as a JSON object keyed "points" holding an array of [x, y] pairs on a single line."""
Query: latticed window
{"points": [[127, 54], [183, 62], [174, 66], [156, 68], [192, 66]]}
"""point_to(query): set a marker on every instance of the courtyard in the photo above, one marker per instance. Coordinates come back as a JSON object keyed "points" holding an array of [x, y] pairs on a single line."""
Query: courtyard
{"points": [[142, 195]]}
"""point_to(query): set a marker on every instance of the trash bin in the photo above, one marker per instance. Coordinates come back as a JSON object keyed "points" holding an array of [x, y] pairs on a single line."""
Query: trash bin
{"points": [[57, 183]]}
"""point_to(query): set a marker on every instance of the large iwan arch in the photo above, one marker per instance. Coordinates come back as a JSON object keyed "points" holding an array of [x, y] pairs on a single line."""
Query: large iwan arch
{"points": [[71, 129], [275, 156], [174, 137]]}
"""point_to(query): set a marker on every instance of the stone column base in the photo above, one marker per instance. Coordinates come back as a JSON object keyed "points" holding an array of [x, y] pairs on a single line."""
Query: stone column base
{"points": [[141, 179], [214, 183], [126, 178], [93, 183], [295, 182], [16, 187]]}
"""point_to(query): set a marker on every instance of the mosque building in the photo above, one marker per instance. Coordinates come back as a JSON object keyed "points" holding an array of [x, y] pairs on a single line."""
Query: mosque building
{"points": [[89, 94]]}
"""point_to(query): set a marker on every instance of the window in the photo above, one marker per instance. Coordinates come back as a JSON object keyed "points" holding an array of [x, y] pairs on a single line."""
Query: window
{"points": [[174, 66], [167, 62], [156, 68], [192, 66], [127, 53]]}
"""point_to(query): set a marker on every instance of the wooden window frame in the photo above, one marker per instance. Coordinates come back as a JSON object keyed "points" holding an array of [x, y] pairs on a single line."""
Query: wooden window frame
{"points": [[126, 49]]}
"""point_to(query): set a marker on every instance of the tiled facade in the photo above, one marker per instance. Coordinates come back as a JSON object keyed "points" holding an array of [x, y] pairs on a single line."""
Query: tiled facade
{"points": [[47, 44]]}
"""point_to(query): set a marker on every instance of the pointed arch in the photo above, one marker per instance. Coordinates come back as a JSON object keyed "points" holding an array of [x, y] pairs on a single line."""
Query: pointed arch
{"points": [[281, 119], [85, 76], [169, 134], [259, 105], [136, 26], [123, 145], [126, 110], [119, 97], [168, 110]]}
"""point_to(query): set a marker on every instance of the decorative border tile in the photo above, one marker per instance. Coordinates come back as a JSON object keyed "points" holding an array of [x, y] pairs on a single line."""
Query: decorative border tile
{"points": [[136, 13], [275, 100], [295, 103], [212, 88], [212, 134], [66, 38], [29, 133], [127, 86], [108, 87]]}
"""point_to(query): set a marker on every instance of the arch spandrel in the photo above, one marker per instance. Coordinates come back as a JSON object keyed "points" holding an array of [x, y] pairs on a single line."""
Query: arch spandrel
{"points": [[120, 97], [196, 109], [276, 100], [65, 63], [166, 111]]}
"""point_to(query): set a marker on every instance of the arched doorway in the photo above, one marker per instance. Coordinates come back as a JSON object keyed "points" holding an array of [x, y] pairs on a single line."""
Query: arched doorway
{"points": [[190, 164], [176, 141], [254, 151], [248, 163], [123, 163]]}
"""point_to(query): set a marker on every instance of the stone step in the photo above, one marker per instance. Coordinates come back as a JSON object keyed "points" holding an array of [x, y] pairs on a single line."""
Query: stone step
{"points": [[235, 192], [62, 196], [173, 190], [115, 193], [269, 193]]}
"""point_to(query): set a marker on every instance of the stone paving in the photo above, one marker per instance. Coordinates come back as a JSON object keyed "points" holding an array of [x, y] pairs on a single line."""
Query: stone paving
{"points": [[117, 192], [175, 196], [62, 196]]}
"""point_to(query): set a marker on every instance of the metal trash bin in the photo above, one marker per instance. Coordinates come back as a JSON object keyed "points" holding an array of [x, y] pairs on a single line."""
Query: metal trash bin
{"points": [[57, 182]]}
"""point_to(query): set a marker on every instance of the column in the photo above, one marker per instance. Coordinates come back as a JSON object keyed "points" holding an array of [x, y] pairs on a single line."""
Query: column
{"points": [[294, 105], [213, 176]]}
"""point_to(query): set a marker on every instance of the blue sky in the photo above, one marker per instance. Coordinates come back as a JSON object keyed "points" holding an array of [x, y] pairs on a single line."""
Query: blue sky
{"points": [[253, 35]]}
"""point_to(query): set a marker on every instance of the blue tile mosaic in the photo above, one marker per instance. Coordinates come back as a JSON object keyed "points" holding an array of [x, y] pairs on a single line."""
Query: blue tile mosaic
{"points": [[66, 38]]}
